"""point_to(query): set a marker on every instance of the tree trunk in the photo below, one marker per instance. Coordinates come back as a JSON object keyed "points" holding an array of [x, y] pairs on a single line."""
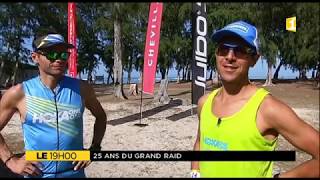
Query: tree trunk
{"points": [[89, 79], [276, 73], [1, 70], [117, 68], [183, 74], [178, 75], [140, 81], [110, 72], [186, 73], [7, 82], [269, 76], [313, 75], [189, 74], [108, 79], [162, 95], [129, 75], [163, 73], [215, 79], [14, 76], [317, 78], [129, 70], [140, 77], [2, 65], [211, 74], [303, 74]]}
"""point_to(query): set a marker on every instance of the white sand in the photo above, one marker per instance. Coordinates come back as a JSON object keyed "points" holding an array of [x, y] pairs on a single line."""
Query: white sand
{"points": [[160, 134]]}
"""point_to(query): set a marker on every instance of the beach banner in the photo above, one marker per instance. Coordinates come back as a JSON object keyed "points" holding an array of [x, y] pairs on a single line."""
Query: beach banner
{"points": [[72, 39], [152, 47], [199, 55]]}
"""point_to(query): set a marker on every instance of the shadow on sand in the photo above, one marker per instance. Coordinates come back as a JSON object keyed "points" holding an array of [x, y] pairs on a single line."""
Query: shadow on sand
{"points": [[172, 103], [183, 114]]}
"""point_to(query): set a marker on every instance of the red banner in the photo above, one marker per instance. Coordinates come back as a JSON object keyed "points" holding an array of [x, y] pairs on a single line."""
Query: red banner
{"points": [[152, 47], [72, 39]]}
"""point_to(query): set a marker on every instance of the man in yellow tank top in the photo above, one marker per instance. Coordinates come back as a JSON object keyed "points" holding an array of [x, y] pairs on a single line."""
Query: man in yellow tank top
{"points": [[241, 116]]}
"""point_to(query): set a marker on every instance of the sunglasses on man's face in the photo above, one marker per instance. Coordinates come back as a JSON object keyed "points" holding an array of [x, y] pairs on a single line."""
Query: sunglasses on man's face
{"points": [[53, 56], [239, 51]]}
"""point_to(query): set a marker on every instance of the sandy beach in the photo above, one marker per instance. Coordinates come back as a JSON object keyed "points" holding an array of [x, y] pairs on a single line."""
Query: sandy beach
{"points": [[169, 127]]}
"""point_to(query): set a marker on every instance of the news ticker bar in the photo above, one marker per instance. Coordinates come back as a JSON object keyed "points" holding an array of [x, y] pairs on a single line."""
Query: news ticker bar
{"points": [[161, 155]]}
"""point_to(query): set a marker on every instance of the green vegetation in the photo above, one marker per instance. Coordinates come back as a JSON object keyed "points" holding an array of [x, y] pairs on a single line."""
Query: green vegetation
{"points": [[99, 25]]}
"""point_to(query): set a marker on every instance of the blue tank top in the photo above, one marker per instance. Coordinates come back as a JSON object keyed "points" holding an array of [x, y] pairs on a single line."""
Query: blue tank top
{"points": [[54, 122]]}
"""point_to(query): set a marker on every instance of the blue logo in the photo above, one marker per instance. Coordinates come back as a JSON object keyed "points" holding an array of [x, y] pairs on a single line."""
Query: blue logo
{"points": [[216, 143], [240, 27]]}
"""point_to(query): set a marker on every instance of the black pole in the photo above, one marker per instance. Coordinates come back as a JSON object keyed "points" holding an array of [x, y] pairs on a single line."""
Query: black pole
{"points": [[140, 124], [141, 96]]}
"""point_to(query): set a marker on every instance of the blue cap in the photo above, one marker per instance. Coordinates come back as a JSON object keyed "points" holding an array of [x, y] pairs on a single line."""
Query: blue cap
{"points": [[240, 29]]}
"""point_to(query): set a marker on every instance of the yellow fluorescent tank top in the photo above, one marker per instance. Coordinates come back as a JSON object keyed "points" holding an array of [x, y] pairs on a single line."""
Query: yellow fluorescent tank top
{"points": [[234, 133]]}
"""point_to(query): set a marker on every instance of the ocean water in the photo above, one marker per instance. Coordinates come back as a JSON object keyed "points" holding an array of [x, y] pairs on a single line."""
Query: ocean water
{"points": [[259, 71]]}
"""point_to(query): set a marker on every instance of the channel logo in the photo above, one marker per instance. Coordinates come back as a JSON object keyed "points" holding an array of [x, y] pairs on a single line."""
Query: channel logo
{"points": [[58, 155], [291, 24]]}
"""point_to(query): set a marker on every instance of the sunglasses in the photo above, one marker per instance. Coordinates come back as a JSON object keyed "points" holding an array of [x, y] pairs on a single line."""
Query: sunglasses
{"points": [[239, 51], [53, 56]]}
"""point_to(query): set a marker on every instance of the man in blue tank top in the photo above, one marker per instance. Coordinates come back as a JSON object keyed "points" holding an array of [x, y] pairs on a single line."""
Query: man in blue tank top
{"points": [[51, 108]]}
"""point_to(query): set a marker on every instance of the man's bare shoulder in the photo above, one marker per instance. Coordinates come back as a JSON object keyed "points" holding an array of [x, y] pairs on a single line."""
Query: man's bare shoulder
{"points": [[84, 85], [13, 96], [15, 92], [203, 99], [86, 89], [83, 82], [272, 104], [201, 102], [275, 111]]}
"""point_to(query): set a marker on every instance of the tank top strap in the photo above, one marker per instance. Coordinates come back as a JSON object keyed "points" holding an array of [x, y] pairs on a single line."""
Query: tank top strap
{"points": [[208, 103], [255, 101]]}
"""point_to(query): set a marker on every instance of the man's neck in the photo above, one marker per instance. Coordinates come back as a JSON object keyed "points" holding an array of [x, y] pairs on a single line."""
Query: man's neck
{"points": [[49, 80], [233, 89]]}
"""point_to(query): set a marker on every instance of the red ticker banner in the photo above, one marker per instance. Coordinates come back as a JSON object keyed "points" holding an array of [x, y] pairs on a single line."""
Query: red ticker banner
{"points": [[152, 47], [72, 39]]}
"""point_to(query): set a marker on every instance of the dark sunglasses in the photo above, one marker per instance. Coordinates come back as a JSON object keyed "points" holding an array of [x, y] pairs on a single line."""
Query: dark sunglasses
{"points": [[239, 51], [53, 56]]}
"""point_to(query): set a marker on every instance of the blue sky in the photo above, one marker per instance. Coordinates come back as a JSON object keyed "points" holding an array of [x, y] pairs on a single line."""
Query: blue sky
{"points": [[259, 71]]}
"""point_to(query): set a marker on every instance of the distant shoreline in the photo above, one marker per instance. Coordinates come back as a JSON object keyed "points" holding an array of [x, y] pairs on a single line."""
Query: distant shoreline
{"points": [[253, 80], [99, 83]]}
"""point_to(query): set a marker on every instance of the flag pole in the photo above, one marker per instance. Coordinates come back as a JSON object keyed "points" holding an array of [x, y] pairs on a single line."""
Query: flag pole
{"points": [[141, 100], [151, 51], [140, 124]]}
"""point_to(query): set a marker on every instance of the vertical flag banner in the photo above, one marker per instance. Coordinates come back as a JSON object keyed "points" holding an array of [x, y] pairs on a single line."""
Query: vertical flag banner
{"points": [[152, 47], [72, 39], [199, 55]]}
